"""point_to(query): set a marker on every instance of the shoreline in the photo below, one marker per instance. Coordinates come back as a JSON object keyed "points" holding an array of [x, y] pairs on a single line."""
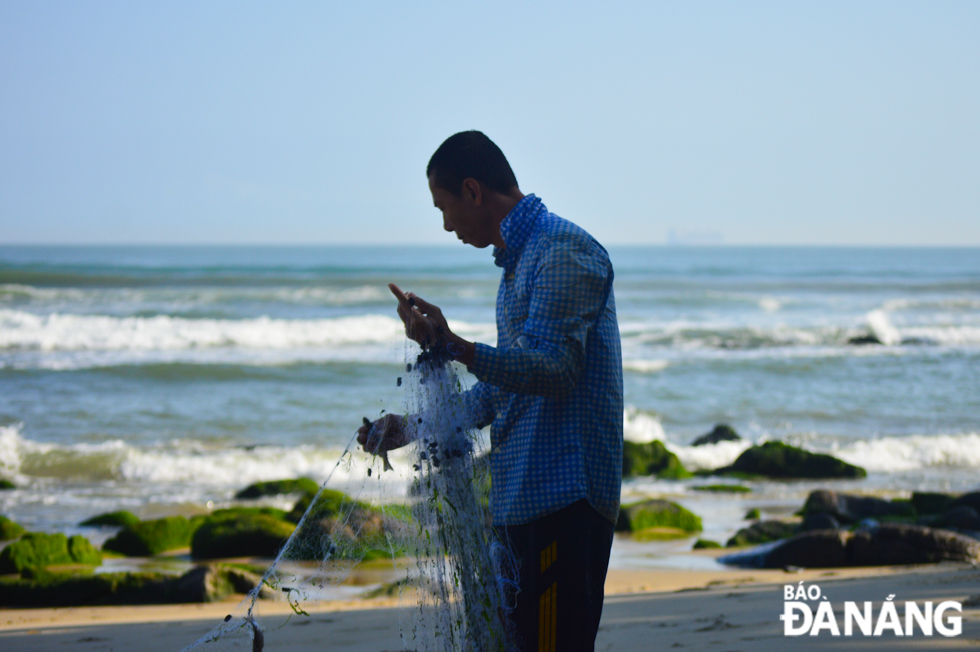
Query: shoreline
{"points": [[644, 610]]}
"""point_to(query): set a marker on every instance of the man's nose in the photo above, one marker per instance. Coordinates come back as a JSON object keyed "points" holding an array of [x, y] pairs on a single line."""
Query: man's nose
{"points": [[446, 225]]}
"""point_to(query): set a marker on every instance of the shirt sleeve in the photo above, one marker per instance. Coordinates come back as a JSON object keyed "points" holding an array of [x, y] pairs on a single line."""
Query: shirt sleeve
{"points": [[569, 289], [478, 410]]}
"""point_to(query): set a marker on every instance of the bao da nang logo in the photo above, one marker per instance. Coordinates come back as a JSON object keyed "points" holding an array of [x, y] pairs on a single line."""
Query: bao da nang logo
{"points": [[807, 611]]}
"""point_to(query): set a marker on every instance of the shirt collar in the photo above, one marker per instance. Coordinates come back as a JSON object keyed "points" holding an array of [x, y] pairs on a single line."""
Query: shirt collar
{"points": [[515, 230]]}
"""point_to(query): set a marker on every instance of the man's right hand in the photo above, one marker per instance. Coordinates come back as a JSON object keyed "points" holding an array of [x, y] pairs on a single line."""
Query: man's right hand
{"points": [[385, 434]]}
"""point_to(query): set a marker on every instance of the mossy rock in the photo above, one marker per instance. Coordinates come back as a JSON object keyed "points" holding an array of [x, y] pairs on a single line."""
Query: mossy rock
{"points": [[723, 488], [38, 550], [762, 532], [721, 432], [6, 484], [652, 458], [656, 514], [9, 530], [304, 486], [329, 504], [775, 459], [112, 519], [753, 514], [245, 512], [926, 502], [152, 537], [233, 535], [705, 544], [37, 588]]}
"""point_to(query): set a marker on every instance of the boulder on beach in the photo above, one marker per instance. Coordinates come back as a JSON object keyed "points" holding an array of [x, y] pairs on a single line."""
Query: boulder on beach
{"points": [[304, 486], [970, 500], [8, 529], [762, 532], [961, 518], [38, 550], [867, 338], [848, 508], [111, 519], [705, 544], [657, 519], [6, 484], [886, 544], [151, 537], [652, 458], [329, 504], [775, 459], [37, 588], [234, 535], [819, 522], [927, 502], [721, 432]]}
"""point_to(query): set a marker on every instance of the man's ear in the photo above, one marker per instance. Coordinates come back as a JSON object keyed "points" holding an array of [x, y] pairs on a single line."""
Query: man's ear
{"points": [[473, 191]]}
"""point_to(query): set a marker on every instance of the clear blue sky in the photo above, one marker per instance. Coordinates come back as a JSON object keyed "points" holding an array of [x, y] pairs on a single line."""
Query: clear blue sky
{"points": [[286, 122]]}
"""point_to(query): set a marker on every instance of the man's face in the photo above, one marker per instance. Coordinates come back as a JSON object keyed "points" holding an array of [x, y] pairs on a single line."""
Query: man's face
{"points": [[462, 215]]}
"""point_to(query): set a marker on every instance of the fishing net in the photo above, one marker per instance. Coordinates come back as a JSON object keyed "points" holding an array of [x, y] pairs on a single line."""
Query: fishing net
{"points": [[439, 542]]}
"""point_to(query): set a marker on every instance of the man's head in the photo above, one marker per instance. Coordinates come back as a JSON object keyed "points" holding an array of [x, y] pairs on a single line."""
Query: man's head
{"points": [[474, 187]]}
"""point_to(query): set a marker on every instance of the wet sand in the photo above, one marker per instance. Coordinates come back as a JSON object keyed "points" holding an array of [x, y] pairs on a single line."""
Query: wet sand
{"points": [[645, 610]]}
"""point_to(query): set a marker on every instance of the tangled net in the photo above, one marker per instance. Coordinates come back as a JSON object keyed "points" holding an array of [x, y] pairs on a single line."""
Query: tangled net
{"points": [[441, 544]]}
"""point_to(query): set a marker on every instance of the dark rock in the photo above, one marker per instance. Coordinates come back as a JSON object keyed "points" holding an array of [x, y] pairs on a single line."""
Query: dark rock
{"points": [[37, 550], [814, 549], [9, 530], [753, 514], [959, 518], [702, 544], [329, 504], [652, 458], [6, 484], [112, 519], [850, 509], [277, 487], [239, 536], [931, 503], [819, 522], [656, 514], [869, 338], [244, 512], [888, 544], [152, 537], [721, 432], [970, 500], [723, 488], [775, 459], [762, 532], [36, 588], [893, 544]]}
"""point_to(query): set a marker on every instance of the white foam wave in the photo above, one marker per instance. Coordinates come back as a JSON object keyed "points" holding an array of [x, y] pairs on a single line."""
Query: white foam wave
{"points": [[882, 327], [645, 366], [641, 427], [892, 454], [709, 456], [61, 341]]}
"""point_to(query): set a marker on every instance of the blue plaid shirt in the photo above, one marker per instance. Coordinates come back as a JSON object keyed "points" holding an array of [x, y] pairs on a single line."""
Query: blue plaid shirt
{"points": [[553, 386]]}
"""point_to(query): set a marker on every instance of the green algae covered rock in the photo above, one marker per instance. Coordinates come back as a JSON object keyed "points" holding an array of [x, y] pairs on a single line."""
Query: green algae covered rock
{"points": [[8, 529], [236, 535], [112, 519], [6, 484], [652, 458], [705, 544], [38, 550], [276, 487], [762, 532], [657, 519], [152, 537], [775, 459], [329, 504]]}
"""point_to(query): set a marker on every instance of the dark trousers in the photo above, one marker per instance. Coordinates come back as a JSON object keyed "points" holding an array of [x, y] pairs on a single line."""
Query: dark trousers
{"points": [[561, 564]]}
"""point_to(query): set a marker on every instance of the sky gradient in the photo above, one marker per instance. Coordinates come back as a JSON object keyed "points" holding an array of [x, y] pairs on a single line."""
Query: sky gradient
{"points": [[742, 123]]}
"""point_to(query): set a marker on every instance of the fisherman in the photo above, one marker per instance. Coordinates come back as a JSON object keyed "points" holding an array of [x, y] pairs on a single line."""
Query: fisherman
{"points": [[551, 390]]}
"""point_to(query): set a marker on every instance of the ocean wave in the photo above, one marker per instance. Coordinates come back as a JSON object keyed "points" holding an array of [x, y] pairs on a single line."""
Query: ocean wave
{"points": [[645, 366], [891, 454], [23, 332]]}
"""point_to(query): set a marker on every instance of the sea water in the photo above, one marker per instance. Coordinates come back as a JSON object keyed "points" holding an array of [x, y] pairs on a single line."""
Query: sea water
{"points": [[163, 379]]}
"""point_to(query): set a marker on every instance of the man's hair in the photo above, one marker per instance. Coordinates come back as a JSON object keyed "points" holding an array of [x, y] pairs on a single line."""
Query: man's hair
{"points": [[470, 155]]}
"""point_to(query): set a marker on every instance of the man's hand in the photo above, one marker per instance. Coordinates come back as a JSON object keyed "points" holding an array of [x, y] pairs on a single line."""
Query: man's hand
{"points": [[426, 324], [383, 435]]}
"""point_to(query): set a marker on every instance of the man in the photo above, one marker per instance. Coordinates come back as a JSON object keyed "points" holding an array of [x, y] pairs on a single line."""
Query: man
{"points": [[552, 389]]}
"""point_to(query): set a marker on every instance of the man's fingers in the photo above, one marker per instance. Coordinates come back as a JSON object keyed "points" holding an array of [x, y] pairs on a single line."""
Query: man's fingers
{"points": [[423, 305], [398, 293]]}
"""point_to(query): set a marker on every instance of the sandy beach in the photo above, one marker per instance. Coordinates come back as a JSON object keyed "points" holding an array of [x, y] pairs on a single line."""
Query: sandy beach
{"points": [[645, 610]]}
